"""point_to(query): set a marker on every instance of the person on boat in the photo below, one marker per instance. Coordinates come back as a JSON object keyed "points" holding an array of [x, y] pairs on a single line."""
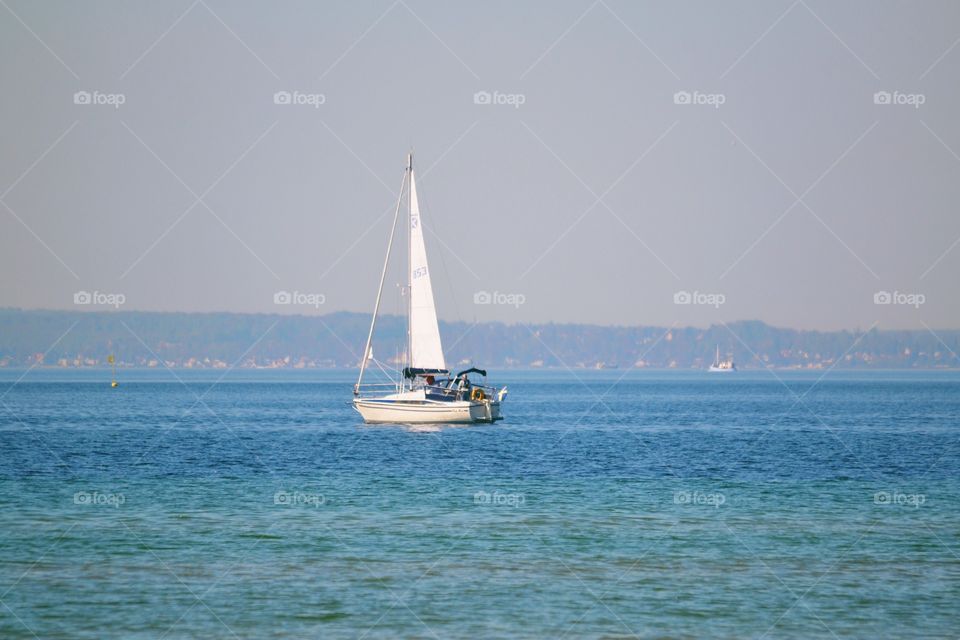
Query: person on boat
{"points": [[465, 387]]}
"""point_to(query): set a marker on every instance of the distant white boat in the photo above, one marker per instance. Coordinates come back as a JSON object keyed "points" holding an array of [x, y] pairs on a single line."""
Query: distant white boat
{"points": [[425, 392], [724, 366]]}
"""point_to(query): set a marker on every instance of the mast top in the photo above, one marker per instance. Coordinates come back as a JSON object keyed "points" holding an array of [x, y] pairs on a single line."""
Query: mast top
{"points": [[410, 160]]}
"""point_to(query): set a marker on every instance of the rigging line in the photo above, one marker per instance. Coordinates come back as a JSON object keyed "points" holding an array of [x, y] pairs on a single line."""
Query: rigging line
{"points": [[401, 300], [383, 275], [385, 372]]}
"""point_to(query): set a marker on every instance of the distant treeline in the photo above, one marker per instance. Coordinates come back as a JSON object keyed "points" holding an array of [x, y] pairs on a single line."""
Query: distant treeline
{"points": [[72, 338]]}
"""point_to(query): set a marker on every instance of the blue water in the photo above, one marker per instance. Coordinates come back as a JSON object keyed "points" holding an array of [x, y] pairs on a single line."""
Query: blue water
{"points": [[608, 504]]}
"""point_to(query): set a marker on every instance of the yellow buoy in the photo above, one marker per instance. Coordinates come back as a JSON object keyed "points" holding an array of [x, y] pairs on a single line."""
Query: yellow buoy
{"points": [[113, 365]]}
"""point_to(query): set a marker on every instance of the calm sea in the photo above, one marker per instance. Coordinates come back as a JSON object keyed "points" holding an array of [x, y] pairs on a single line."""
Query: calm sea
{"points": [[608, 504]]}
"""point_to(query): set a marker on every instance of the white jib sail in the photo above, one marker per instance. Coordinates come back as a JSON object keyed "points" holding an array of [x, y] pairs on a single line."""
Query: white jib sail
{"points": [[426, 351]]}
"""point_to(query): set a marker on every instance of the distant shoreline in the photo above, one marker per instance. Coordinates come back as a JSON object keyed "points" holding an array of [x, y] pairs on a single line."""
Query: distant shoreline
{"points": [[589, 371], [218, 341]]}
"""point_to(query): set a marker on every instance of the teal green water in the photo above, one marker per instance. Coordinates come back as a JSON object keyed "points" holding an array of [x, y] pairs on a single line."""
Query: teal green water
{"points": [[677, 505]]}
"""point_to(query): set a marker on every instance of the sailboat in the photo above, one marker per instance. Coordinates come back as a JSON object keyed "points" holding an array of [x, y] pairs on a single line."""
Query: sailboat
{"points": [[724, 366], [425, 391]]}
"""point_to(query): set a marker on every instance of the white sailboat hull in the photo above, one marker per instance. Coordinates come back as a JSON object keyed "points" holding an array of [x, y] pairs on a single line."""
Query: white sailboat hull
{"points": [[375, 410]]}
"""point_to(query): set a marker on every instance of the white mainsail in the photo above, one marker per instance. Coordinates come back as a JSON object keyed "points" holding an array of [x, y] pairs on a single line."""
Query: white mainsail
{"points": [[426, 351]]}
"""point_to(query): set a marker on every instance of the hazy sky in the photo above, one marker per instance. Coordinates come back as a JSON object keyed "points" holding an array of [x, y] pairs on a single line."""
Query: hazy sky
{"points": [[780, 188]]}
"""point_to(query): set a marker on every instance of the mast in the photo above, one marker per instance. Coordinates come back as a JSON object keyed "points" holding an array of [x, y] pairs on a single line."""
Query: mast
{"points": [[409, 254], [383, 275]]}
